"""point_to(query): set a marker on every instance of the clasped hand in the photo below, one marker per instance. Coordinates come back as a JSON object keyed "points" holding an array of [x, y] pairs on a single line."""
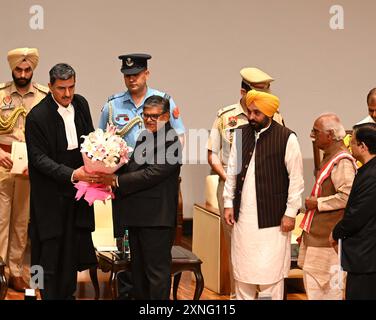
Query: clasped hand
{"points": [[93, 177]]}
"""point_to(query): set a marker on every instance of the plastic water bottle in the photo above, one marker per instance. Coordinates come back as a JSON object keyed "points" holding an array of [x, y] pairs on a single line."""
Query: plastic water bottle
{"points": [[126, 249]]}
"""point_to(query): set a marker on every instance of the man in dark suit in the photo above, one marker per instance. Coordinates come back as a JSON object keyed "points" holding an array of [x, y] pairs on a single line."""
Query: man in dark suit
{"points": [[60, 226], [146, 201], [357, 229]]}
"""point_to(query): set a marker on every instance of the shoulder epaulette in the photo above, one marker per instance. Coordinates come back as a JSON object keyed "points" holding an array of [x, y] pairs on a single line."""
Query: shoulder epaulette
{"points": [[5, 84], [114, 96], [225, 109], [41, 87]]}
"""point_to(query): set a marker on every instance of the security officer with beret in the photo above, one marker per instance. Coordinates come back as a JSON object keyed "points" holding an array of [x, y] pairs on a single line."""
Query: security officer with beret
{"points": [[17, 97], [125, 109], [221, 135]]}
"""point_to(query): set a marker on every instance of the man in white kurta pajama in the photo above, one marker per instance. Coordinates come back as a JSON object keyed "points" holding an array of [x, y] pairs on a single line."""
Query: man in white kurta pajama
{"points": [[325, 207], [261, 256]]}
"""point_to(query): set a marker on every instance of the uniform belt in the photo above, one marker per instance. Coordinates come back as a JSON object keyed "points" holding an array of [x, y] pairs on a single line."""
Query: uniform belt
{"points": [[6, 147]]}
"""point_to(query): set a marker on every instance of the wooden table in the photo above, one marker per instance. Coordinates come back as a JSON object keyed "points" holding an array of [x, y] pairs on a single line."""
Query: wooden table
{"points": [[182, 260]]}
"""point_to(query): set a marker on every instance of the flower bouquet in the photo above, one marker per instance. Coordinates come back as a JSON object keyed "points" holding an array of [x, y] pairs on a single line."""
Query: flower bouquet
{"points": [[102, 152]]}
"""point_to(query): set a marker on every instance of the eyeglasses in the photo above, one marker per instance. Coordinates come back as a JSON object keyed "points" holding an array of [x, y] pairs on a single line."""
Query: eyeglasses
{"points": [[151, 116]]}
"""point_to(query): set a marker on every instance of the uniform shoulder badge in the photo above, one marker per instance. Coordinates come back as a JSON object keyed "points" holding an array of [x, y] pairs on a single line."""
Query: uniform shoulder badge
{"points": [[233, 121], [7, 100], [42, 88], [225, 109], [176, 112], [7, 103]]}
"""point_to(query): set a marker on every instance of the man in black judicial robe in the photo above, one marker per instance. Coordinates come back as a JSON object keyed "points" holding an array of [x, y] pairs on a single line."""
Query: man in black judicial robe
{"points": [[60, 226], [146, 201]]}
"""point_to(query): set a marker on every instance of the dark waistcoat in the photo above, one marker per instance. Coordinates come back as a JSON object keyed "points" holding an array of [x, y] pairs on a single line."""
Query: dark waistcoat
{"points": [[272, 181]]}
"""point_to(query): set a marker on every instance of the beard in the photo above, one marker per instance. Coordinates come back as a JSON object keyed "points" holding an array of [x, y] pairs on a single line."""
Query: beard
{"points": [[21, 82], [257, 126]]}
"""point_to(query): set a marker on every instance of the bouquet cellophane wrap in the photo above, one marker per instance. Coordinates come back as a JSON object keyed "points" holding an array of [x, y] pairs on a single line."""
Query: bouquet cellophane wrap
{"points": [[98, 166], [102, 152]]}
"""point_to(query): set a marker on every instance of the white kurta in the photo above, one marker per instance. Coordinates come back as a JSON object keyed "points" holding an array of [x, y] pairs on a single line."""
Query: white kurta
{"points": [[262, 256]]}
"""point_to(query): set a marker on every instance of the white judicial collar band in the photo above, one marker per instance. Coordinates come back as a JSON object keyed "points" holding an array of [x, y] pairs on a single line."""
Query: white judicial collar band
{"points": [[67, 113]]}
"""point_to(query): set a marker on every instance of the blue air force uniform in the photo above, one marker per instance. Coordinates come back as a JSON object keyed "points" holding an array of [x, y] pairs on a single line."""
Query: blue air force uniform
{"points": [[121, 110], [124, 111], [152, 282]]}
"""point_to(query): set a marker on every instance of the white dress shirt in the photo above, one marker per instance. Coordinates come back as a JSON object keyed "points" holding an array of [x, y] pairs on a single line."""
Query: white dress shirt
{"points": [[67, 113]]}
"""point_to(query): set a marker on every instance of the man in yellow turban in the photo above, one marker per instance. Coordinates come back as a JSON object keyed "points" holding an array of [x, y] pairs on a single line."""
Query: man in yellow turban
{"points": [[256, 79], [261, 108], [262, 196], [17, 97], [229, 118], [265, 102]]}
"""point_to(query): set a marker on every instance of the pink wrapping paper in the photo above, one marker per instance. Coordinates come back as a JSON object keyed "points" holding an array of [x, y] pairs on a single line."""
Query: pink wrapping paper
{"points": [[95, 191]]}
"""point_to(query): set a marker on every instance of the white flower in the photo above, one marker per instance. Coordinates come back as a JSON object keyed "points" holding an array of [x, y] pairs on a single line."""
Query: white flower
{"points": [[105, 147]]}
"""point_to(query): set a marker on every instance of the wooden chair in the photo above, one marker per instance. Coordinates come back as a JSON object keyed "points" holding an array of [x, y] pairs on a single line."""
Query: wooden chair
{"points": [[3, 280], [182, 260]]}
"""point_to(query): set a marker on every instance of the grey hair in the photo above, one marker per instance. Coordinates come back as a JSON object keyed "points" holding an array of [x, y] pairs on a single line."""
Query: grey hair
{"points": [[331, 122], [61, 71]]}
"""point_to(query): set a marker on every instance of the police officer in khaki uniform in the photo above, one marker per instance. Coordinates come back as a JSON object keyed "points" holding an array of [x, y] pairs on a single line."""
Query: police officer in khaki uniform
{"points": [[17, 97], [219, 143]]}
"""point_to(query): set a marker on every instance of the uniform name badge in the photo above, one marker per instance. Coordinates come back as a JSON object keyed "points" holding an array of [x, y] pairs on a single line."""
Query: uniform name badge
{"points": [[124, 116], [19, 157]]}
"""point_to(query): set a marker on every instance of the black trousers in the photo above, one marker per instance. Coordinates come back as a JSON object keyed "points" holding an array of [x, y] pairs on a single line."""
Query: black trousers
{"points": [[151, 261], [61, 257], [361, 286]]}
